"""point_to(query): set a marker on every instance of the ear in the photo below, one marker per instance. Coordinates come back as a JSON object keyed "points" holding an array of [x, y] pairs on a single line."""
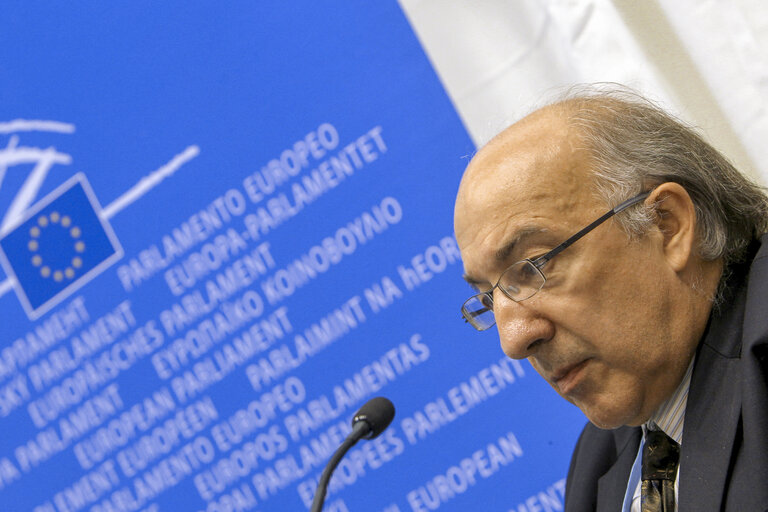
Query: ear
{"points": [[676, 220]]}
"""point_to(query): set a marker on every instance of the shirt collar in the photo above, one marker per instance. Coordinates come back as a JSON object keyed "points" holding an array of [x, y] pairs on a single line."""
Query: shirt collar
{"points": [[670, 416]]}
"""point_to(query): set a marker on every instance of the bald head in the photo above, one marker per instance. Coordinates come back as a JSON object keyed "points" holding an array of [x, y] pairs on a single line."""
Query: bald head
{"points": [[530, 141], [535, 164]]}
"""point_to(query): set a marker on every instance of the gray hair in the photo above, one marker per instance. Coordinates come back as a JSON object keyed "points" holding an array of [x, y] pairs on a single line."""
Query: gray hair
{"points": [[635, 145]]}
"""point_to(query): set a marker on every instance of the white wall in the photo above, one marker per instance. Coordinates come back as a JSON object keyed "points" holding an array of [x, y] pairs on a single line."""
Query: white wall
{"points": [[706, 60]]}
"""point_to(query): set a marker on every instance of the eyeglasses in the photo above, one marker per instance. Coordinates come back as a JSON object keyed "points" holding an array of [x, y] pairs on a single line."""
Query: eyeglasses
{"points": [[523, 279]]}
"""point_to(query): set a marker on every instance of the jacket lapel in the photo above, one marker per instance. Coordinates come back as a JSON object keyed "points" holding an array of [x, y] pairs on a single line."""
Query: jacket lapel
{"points": [[612, 486], [750, 471], [714, 408]]}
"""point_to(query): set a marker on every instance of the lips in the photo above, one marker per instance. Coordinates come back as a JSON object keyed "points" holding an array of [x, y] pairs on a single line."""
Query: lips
{"points": [[568, 377]]}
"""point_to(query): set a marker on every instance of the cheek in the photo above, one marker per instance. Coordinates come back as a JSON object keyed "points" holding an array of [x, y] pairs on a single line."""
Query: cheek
{"points": [[616, 304]]}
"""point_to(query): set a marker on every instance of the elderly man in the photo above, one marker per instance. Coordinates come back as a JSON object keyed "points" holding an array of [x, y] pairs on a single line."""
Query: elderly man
{"points": [[621, 255]]}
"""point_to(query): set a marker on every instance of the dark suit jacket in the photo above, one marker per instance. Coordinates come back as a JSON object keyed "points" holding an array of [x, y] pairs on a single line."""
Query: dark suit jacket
{"points": [[724, 452]]}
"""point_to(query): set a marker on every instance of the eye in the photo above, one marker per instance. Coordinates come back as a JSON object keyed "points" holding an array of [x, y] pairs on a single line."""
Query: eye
{"points": [[524, 273], [487, 300], [521, 280]]}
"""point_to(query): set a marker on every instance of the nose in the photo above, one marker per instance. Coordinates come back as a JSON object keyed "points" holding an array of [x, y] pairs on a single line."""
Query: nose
{"points": [[522, 329]]}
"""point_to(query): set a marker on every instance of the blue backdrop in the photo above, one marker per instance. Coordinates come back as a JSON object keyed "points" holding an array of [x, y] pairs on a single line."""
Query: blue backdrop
{"points": [[224, 228]]}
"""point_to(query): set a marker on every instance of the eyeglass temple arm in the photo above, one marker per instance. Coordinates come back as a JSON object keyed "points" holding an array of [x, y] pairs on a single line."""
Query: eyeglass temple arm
{"points": [[539, 262]]}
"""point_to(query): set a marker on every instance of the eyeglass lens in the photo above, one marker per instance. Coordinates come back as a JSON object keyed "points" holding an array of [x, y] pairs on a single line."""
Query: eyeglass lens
{"points": [[519, 282]]}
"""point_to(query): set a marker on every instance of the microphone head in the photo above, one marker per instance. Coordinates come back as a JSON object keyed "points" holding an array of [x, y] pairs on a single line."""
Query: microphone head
{"points": [[377, 413]]}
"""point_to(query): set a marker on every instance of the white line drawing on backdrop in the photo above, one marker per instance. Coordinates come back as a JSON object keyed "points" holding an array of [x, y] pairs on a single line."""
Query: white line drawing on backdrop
{"points": [[150, 181], [36, 125], [45, 158]]}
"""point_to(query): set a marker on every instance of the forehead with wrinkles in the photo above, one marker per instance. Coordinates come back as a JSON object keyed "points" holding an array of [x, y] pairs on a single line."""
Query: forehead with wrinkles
{"points": [[528, 173]]}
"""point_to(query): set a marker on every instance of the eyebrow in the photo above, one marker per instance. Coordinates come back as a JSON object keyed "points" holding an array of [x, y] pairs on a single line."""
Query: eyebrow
{"points": [[518, 238], [503, 253]]}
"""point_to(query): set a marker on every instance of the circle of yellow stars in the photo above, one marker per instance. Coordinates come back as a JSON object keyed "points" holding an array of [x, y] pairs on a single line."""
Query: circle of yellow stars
{"points": [[43, 222]]}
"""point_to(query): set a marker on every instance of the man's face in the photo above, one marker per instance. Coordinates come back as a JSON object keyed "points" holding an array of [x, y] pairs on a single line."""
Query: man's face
{"points": [[601, 331]]}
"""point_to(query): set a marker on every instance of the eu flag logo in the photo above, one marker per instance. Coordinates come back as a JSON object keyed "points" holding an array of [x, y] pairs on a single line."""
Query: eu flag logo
{"points": [[61, 244]]}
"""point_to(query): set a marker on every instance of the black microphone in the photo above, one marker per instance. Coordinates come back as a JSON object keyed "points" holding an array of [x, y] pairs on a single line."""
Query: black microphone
{"points": [[369, 421], [377, 413]]}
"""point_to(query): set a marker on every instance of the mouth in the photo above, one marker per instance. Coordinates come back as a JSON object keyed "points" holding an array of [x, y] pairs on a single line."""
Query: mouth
{"points": [[568, 377]]}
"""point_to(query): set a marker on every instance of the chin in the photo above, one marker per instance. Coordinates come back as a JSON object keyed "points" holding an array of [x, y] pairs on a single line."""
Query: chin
{"points": [[610, 407], [608, 419], [604, 424]]}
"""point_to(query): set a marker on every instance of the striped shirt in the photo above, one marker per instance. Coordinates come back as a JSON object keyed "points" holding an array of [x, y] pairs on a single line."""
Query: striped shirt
{"points": [[669, 417]]}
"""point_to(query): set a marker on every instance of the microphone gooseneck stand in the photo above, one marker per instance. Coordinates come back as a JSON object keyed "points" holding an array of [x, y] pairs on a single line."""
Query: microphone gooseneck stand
{"points": [[369, 421], [358, 431]]}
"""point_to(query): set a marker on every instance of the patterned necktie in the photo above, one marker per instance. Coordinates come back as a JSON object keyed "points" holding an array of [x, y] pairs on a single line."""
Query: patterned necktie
{"points": [[660, 458]]}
